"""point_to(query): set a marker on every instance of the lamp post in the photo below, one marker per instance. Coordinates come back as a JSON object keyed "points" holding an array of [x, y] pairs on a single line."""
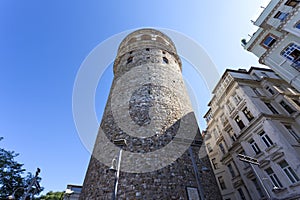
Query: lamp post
{"points": [[254, 161], [120, 143]]}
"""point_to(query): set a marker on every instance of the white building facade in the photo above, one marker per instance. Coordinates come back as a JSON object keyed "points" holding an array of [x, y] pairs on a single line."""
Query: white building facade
{"points": [[254, 113], [277, 41]]}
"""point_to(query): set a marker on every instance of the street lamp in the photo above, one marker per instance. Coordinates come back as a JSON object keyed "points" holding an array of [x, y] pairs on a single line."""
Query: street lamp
{"points": [[120, 143]]}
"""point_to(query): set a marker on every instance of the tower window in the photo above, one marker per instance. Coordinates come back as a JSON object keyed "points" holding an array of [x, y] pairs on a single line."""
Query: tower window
{"points": [[281, 15], [165, 60], [129, 60]]}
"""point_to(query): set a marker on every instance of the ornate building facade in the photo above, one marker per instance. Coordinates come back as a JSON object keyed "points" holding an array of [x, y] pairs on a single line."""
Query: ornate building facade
{"points": [[277, 41], [254, 113]]}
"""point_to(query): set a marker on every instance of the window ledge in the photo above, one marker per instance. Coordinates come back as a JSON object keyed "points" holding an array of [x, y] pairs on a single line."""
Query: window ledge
{"points": [[279, 190], [295, 184], [259, 155], [271, 147]]}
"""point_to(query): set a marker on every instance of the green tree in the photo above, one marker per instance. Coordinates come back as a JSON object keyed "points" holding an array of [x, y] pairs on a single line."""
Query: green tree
{"points": [[12, 180], [52, 196]]}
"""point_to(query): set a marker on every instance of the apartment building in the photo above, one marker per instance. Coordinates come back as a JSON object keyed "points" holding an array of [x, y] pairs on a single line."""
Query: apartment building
{"points": [[277, 41], [254, 113]]}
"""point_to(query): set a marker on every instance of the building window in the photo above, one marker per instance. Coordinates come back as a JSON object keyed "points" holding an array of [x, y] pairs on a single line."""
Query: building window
{"points": [[268, 142], [221, 182], [248, 114], [256, 91], [237, 99], [289, 172], [165, 60], [274, 111], [258, 188], [287, 107], [292, 3], [214, 163], [254, 146], [274, 178], [292, 132], [270, 90], [229, 106], [281, 15], [239, 122], [269, 41], [231, 170], [216, 132], [241, 193], [221, 146], [292, 53], [265, 74], [296, 101], [129, 60], [208, 145], [232, 135]]}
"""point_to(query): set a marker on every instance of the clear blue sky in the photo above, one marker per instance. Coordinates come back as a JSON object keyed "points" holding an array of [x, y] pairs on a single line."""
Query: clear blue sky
{"points": [[43, 43]]}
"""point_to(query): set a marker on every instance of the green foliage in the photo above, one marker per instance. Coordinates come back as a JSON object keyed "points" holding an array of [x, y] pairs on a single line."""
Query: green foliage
{"points": [[12, 180], [52, 196]]}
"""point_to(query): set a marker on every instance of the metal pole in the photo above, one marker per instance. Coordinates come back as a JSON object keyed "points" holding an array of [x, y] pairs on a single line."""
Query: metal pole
{"points": [[261, 182], [117, 176], [196, 174]]}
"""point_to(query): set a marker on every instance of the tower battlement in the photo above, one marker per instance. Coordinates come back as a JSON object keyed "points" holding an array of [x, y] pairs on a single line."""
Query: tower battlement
{"points": [[145, 46]]}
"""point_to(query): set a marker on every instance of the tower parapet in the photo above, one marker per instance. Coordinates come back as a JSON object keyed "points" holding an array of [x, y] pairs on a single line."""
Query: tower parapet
{"points": [[145, 46]]}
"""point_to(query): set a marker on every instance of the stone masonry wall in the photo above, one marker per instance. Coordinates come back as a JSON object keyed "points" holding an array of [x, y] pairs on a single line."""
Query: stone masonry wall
{"points": [[149, 107]]}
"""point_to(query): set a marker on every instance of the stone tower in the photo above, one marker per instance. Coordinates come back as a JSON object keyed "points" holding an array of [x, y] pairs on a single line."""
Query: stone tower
{"points": [[149, 108]]}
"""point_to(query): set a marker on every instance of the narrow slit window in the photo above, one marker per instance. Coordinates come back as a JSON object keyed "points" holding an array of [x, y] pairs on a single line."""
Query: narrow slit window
{"points": [[165, 60]]}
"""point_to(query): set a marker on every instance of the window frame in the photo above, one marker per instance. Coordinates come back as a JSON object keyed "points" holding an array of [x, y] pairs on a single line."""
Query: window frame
{"points": [[222, 183], [271, 42], [287, 107], [254, 146], [239, 122], [281, 15], [266, 139], [291, 3], [248, 114], [289, 171], [273, 177], [292, 132]]}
